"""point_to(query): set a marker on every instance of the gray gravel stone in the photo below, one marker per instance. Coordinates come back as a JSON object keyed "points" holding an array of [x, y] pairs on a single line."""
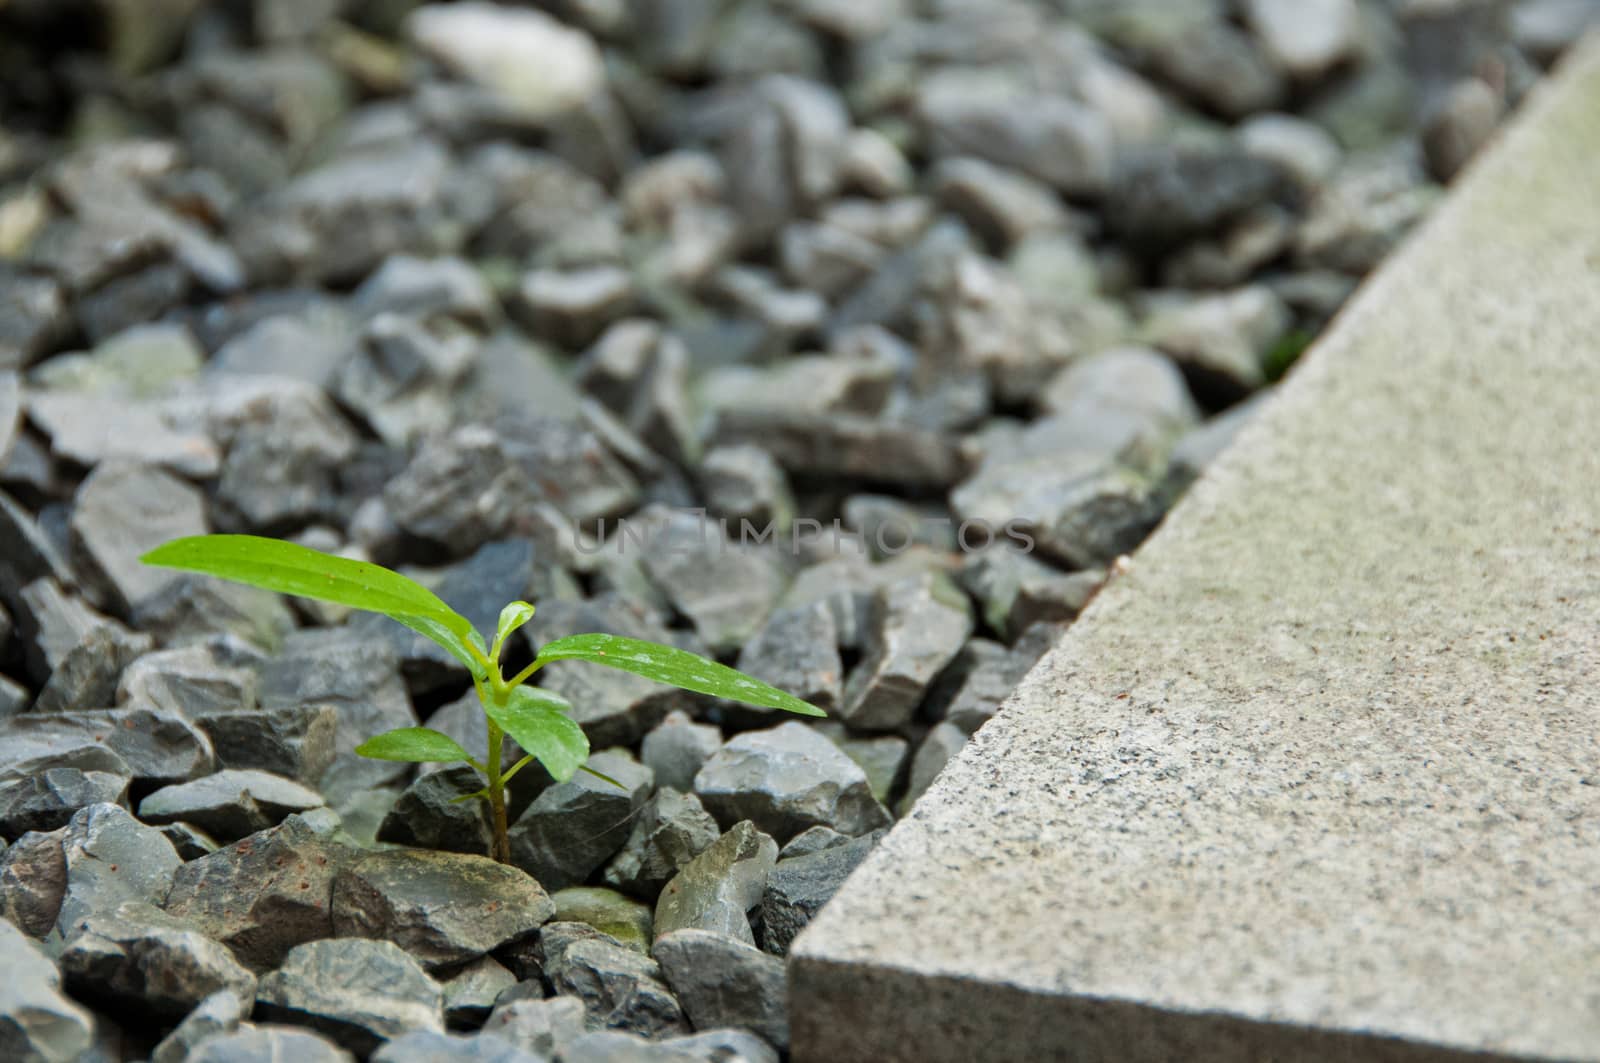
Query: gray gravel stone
{"points": [[1219, 66], [429, 816], [1222, 340], [1002, 205], [37, 1021], [620, 987], [725, 587], [574, 827], [881, 757], [216, 1015], [1305, 39], [231, 803], [1165, 195], [292, 741], [442, 908], [33, 314], [1057, 140], [672, 829], [1462, 122], [358, 676], [786, 779], [470, 993], [156, 747], [623, 919], [544, 1027], [427, 288], [717, 888], [10, 412], [135, 956], [45, 798], [915, 628], [851, 446], [422, 1046], [798, 888], [360, 993], [87, 429], [813, 840], [190, 843], [1017, 591], [724, 983], [677, 748], [796, 650], [267, 1044], [713, 1046], [33, 880], [110, 858], [263, 895], [940, 744], [193, 680], [1362, 212]]}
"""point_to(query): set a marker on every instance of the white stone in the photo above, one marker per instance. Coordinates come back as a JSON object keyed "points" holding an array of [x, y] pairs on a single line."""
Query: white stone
{"points": [[538, 67]]}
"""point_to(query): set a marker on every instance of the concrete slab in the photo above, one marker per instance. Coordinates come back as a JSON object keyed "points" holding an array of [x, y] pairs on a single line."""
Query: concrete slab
{"points": [[1320, 777]]}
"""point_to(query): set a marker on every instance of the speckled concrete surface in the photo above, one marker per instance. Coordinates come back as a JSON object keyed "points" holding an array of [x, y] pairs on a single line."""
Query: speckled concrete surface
{"points": [[1320, 777]]}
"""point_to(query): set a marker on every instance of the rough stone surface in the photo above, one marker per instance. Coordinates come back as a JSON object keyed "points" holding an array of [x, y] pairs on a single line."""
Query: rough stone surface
{"points": [[542, 1026], [424, 1046], [677, 748], [37, 1021], [623, 918], [428, 815], [110, 858], [915, 628], [231, 803], [220, 1013], [672, 829], [263, 895], [1164, 758], [33, 879], [798, 888], [360, 993], [442, 908], [136, 957], [786, 779], [726, 983], [470, 993], [574, 827], [268, 1044], [621, 987], [717, 889]]}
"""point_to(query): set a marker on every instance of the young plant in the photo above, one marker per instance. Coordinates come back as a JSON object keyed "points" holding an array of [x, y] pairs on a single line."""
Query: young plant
{"points": [[539, 721]]}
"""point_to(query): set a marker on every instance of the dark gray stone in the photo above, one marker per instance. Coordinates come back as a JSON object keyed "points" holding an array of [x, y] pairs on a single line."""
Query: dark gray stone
{"points": [[812, 840], [620, 987], [915, 628], [195, 680], [37, 1021], [786, 779], [716, 890], [938, 746], [10, 412], [263, 895], [724, 983], [783, 151], [850, 446], [442, 908], [231, 803], [110, 858], [574, 827], [1016, 591], [27, 555], [294, 741], [1219, 66], [33, 880], [744, 483], [190, 843], [470, 993], [724, 586], [798, 888], [14, 697], [33, 315], [137, 957], [195, 608], [881, 757], [1163, 196], [428, 814], [1001, 204], [48, 797], [216, 1015], [544, 1027], [677, 748], [359, 993], [572, 307], [360, 678], [796, 650], [156, 746], [672, 829], [401, 375], [988, 672], [308, 343], [267, 1044]]}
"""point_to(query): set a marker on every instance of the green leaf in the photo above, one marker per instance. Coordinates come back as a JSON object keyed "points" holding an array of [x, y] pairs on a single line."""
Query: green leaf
{"points": [[415, 744], [538, 720], [289, 568], [512, 617], [675, 667]]}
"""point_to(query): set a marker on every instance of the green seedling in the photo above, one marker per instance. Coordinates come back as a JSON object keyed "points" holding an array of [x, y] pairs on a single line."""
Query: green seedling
{"points": [[541, 722]]}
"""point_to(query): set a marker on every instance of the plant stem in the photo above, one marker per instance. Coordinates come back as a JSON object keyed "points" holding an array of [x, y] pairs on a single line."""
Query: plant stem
{"points": [[497, 795]]}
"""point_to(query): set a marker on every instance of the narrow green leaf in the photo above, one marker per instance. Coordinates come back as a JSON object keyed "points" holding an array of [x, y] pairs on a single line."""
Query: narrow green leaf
{"points": [[289, 568], [675, 667], [476, 795], [415, 744], [538, 720], [512, 617], [602, 776]]}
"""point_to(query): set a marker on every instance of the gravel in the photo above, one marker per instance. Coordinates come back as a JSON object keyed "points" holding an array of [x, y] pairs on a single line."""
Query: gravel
{"points": [[851, 344]]}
